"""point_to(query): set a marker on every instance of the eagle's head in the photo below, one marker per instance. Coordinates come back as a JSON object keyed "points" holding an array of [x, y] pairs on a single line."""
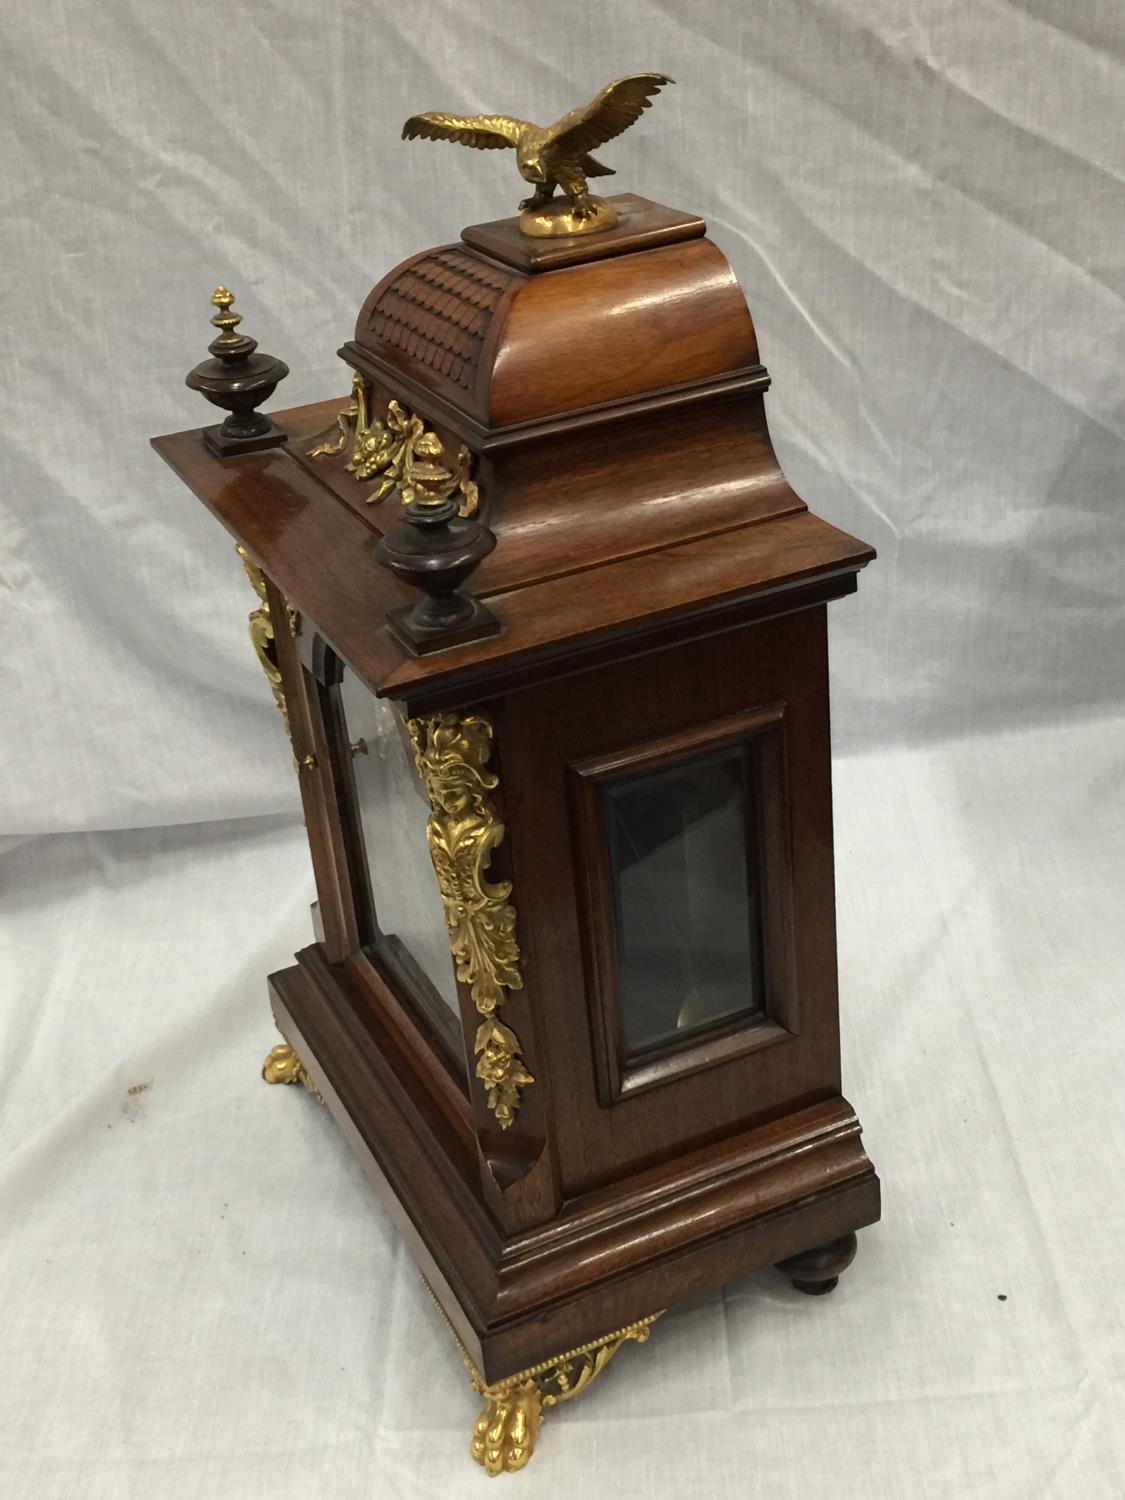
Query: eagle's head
{"points": [[532, 168]]}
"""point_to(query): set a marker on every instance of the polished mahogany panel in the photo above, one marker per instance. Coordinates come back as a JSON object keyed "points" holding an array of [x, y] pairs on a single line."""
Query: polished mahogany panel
{"points": [[646, 320], [704, 693], [322, 558]]}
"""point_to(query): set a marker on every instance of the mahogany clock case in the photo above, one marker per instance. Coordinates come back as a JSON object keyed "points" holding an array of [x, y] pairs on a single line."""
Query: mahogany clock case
{"points": [[662, 594]]}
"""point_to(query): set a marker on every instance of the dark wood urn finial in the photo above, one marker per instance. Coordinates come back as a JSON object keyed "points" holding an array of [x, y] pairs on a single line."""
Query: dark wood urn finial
{"points": [[435, 548], [239, 380]]}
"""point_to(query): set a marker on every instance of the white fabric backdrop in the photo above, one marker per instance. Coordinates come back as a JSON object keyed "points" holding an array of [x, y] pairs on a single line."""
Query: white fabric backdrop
{"points": [[201, 1297], [925, 205]]}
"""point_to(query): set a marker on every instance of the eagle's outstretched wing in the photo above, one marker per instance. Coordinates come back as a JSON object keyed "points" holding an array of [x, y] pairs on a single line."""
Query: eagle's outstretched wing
{"points": [[484, 132], [619, 105]]}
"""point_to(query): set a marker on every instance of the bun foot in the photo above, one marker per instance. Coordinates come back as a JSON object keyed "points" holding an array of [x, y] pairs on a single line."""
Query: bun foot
{"points": [[816, 1272], [817, 1288]]}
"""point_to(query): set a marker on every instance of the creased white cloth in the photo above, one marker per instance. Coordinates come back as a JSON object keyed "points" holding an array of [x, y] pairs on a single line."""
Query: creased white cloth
{"points": [[924, 203], [202, 1296], [926, 206]]}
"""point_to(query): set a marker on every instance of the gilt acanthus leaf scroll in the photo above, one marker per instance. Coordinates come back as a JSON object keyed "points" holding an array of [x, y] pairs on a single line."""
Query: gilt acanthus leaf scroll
{"points": [[452, 752]]}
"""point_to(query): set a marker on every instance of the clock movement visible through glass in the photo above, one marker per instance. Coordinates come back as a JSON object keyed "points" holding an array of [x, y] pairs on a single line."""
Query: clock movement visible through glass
{"points": [[685, 881]]}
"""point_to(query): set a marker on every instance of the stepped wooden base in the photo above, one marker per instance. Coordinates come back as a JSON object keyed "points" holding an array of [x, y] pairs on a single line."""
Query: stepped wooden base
{"points": [[609, 1258]]}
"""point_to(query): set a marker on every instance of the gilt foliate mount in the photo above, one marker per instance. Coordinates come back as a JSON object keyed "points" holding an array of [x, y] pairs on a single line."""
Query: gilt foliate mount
{"points": [[553, 156], [451, 755]]}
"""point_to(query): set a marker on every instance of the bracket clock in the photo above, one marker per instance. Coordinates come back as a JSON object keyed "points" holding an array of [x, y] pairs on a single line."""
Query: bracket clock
{"points": [[548, 629]]}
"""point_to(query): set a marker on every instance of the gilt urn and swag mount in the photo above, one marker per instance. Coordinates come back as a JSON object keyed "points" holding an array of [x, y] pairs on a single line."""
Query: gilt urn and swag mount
{"points": [[547, 627]]}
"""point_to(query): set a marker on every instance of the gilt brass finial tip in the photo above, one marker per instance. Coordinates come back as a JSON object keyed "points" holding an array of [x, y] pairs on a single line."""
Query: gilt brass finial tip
{"points": [[225, 321]]}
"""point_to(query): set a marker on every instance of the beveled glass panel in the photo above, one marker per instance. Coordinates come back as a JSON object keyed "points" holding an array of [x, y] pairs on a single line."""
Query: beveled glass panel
{"points": [[685, 881], [392, 808]]}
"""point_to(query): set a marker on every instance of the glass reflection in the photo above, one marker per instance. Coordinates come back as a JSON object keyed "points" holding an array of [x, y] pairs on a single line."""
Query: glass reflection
{"points": [[393, 811], [686, 899]]}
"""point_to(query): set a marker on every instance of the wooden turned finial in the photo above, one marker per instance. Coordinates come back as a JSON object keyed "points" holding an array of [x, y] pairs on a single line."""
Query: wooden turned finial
{"points": [[435, 548], [238, 379]]}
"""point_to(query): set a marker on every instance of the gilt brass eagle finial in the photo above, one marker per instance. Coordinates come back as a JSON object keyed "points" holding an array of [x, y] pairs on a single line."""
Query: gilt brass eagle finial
{"points": [[555, 155]]}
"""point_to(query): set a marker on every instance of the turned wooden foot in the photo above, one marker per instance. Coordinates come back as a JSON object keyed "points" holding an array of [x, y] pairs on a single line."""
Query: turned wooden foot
{"points": [[816, 1272]]}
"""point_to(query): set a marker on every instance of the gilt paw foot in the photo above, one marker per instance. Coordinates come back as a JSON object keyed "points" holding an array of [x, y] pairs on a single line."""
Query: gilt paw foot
{"points": [[505, 1432], [282, 1065]]}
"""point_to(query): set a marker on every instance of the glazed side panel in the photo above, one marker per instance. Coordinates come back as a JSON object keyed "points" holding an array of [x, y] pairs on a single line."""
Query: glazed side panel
{"points": [[778, 669]]}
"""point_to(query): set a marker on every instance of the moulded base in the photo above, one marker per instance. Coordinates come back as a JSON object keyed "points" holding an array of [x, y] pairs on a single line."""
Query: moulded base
{"points": [[658, 1237]]}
